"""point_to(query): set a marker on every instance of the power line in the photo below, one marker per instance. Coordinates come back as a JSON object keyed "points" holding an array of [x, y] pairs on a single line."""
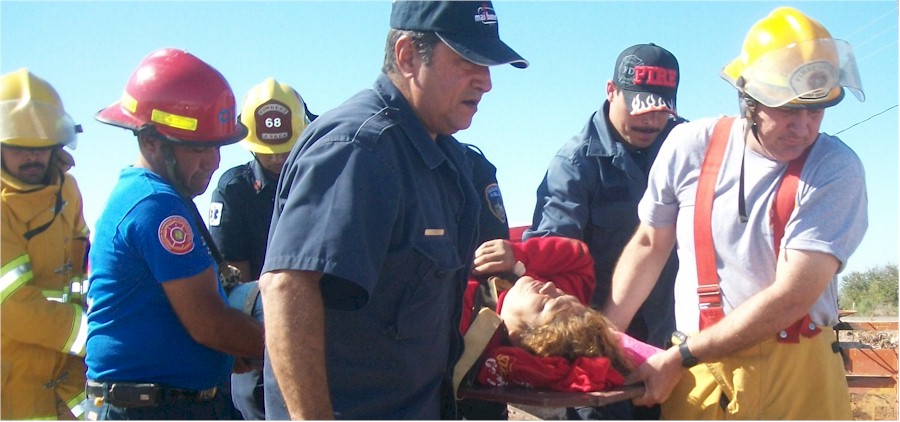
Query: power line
{"points": [[872, 22], [872, 53], [886, 29], [866, 120]]}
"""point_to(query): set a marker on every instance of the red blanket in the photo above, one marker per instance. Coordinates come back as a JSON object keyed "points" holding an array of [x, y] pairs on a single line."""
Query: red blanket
{"points": [[568, 264]]}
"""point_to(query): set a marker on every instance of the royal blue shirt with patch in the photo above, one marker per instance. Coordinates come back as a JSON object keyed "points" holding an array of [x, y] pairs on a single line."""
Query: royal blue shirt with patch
{"points": [[145, 237], [389, 216]]}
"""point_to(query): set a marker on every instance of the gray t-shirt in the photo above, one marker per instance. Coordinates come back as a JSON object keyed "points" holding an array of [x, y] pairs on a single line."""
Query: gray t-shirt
{"points": [[830, 216]]}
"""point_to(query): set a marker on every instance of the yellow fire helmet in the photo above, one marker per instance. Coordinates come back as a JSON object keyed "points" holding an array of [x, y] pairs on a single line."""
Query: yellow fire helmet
{"points": [[790, 59], [275, 114], [32, 114]]}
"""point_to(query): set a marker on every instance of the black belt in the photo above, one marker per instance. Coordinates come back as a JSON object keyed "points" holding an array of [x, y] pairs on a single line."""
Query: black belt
{"points": [[131, 394]]}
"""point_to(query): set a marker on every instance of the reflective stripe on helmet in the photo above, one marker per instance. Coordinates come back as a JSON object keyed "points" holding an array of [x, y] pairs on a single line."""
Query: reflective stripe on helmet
{"points": [[173, 120]]}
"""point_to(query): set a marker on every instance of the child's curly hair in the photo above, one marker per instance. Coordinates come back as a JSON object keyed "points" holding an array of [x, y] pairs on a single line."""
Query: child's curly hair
{"points": [[579, 332]]}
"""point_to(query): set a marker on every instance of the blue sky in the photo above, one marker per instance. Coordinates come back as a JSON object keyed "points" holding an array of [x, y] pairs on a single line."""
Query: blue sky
{"points": [[331, 50]]}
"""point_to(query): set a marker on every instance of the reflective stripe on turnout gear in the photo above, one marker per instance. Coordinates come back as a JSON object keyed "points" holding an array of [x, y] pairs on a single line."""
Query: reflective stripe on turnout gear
{"points": [[13, 275], [77, 341], [76, 405]]}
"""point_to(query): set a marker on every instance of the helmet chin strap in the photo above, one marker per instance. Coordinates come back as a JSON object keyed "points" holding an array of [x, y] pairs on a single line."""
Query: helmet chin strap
{"points": [[742, 202], [748, 109], [169, 158], [749, 112], [752, 127], [168, 154]]}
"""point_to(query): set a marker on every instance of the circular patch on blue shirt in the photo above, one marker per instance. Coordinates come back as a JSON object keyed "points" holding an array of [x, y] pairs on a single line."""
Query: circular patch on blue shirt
{"points": [[175, 235]]}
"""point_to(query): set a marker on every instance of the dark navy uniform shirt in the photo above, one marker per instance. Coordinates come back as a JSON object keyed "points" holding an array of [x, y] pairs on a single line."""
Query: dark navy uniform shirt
{"points": [[240, 212], [492, 222], [591, 192], [389, 216]]}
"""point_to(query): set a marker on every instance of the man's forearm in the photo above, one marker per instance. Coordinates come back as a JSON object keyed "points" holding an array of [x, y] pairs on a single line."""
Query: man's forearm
{"points": [[244, 335], [636, 272], [801, 278], [295, 337]]}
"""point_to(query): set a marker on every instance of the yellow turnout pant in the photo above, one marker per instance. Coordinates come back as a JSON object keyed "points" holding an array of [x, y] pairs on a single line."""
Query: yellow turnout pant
{"points": [[770, 380]]}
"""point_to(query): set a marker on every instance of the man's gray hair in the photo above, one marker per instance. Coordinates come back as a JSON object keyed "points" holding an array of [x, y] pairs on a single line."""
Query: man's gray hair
{"points": [[423, 41]]}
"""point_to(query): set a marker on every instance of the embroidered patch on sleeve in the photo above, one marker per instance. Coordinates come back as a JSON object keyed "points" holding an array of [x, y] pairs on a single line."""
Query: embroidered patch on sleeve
{"points": [[175, 235], [215, 213], [495, 199]]}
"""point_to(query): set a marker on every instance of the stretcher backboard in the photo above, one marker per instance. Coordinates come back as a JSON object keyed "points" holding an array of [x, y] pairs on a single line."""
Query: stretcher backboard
{"points": [[540, 398]]}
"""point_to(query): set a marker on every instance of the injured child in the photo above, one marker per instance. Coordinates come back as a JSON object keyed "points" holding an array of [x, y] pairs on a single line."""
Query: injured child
{"points": [[549, 338]]}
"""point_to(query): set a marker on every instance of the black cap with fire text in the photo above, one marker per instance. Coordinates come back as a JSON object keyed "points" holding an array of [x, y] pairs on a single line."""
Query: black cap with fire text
{"points": [[648, 76]]}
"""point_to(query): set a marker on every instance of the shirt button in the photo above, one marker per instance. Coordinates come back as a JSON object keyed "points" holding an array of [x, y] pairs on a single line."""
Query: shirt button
{"points": [[782, 334], [440, 273]]}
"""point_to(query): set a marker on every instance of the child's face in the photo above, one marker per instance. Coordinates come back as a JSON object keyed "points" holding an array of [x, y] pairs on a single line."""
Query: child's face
{"points": [[531, 303]]}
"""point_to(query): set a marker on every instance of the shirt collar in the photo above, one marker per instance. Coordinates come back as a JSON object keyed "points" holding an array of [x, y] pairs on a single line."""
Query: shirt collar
{"points": [[261, 175], [601, 140], [409, 122]]}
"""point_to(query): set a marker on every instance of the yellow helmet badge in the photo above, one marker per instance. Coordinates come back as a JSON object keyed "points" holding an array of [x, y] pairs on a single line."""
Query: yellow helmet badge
{"points": [[275, 116]]}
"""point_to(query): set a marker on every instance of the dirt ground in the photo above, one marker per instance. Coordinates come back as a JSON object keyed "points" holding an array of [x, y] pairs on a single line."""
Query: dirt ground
{"points": [[876, 404], [528, 413]]}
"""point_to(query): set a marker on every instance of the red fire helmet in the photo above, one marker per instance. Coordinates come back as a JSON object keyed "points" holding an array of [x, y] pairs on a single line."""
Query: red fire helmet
{"points": [[182, 97]]}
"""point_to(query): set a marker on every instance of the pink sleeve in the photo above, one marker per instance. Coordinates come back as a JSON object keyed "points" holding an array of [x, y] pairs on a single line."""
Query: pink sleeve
{"points": [[636, 350]]}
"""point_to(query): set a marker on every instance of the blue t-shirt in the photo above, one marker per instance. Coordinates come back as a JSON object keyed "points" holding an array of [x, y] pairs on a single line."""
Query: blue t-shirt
{"points": [[145, 237]]}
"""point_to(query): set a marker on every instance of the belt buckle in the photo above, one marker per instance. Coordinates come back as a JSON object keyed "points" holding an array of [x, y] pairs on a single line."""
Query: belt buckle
{"points": [[132, 394]]}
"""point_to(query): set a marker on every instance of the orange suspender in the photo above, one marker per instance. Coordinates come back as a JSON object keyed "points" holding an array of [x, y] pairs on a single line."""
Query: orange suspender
{"points": [[707, 275], [708, 288]]}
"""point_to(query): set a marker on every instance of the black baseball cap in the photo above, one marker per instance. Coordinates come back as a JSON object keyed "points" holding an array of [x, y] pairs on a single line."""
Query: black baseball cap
{"points": [[648, 76], [468, 27]]}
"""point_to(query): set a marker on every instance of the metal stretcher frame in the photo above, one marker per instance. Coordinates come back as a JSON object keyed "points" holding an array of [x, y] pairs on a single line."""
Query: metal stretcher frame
{"points": [[545, 398], [483, 326]]}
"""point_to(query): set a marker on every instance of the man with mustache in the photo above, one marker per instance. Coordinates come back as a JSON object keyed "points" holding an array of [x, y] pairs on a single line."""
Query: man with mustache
{"points": [[374, 229], [43, 255], [594, 182], [766, 210]]}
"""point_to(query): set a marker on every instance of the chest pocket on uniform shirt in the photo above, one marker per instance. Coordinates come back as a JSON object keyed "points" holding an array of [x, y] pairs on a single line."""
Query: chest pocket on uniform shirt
{"points": [[614, 215], [429, 298]]}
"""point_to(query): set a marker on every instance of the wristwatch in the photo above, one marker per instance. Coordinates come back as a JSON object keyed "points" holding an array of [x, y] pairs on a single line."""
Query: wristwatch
{"points": [[687, 359]]}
